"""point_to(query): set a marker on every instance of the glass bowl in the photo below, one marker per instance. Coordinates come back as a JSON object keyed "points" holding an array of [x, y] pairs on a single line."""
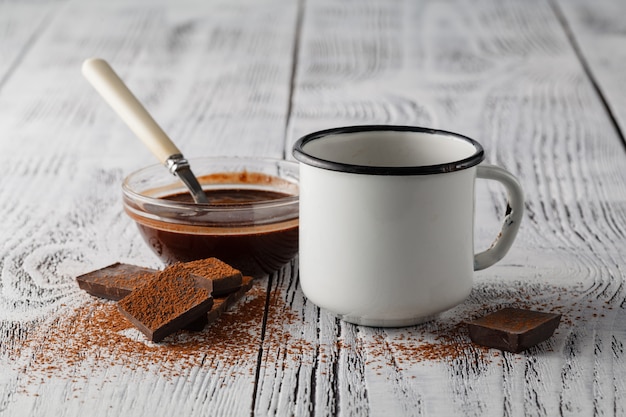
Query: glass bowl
{"points": [[251, 221]]}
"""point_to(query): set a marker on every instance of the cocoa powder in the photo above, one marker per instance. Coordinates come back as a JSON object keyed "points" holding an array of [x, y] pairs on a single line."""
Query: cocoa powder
{"points": [[83, 341], [211, 268], [78, 342]]}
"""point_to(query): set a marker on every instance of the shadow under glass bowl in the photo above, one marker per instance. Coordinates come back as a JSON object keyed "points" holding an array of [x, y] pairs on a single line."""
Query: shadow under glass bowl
{"points": [[250, 223]]}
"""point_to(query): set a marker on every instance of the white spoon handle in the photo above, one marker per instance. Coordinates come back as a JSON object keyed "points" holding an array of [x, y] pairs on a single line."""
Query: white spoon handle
{"points": [[104, 79]]}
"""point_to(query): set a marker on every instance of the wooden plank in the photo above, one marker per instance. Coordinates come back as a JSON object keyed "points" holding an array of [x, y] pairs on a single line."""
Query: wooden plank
{"points": [[217, 78], [506, 74], [597, 34]]}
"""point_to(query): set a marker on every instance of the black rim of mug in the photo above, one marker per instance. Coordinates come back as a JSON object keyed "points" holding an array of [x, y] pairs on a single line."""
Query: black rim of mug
{"points": [[301, 155]]}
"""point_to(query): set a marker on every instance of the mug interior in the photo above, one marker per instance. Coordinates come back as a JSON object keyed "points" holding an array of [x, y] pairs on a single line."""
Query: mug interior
{"points": [[388, 150]]}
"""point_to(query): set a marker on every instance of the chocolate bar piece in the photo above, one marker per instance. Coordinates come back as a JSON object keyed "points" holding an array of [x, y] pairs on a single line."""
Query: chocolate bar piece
{"points": [[226, 279], [513, 329], [115, 281], [221, 304], [173, 299]]}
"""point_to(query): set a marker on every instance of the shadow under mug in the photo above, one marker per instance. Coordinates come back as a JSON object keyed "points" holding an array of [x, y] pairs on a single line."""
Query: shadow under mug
{"points": [[387, 221]]}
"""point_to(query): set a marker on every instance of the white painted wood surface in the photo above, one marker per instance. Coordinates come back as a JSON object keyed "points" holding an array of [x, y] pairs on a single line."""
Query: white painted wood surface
{"points": [[539, 83]]}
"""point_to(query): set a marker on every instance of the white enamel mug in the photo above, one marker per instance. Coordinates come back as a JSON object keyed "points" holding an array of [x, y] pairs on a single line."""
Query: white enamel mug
{"points": [[387, 221]]}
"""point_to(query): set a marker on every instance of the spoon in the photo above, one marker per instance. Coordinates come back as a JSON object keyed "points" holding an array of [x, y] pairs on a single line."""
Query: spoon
{"points": [[104, 79]]}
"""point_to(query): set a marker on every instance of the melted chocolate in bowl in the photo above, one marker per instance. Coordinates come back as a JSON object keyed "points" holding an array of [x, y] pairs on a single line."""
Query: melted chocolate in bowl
{"points": [[251, 222], [252, 250]]}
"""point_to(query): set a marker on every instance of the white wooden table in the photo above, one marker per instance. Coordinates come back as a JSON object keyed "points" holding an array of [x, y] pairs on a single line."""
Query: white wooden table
{"points": [[540, 83]]}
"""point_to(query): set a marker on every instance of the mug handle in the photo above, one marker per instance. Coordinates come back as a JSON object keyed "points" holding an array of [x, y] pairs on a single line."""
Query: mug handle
{"points": [[512, 219]]}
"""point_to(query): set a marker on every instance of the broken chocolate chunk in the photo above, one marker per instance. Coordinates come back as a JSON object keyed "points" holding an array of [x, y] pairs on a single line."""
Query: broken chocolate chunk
{"points": [[115, 281], [226, 279], [513, 329], [173, 299], [220, 304]]}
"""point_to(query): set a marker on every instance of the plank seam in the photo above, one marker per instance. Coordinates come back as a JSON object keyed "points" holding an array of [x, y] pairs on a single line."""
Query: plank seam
{"points": [[587, 69], [259, 361], [294, 68]]}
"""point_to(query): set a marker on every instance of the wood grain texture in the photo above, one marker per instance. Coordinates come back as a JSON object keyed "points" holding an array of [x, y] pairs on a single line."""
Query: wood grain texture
{"points": [[537, 82]]}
